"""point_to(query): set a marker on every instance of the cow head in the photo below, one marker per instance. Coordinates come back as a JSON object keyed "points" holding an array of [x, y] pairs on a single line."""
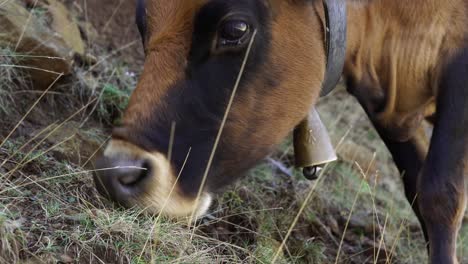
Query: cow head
{"points": [[158, 158]]}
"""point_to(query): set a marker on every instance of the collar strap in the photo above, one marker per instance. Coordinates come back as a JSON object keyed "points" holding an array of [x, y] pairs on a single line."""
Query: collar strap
{"points": [[335, 42]]}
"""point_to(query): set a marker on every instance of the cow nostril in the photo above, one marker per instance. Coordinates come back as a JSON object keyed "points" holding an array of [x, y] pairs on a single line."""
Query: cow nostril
{"points": [[134, 174], [120, 178]]}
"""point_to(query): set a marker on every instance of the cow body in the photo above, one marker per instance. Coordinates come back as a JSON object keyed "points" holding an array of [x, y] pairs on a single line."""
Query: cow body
{"points": [[396, 57], [406, 61]]}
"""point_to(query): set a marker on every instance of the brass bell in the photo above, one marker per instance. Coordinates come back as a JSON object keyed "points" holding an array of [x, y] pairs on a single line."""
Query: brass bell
{"points": [[312, 145]]}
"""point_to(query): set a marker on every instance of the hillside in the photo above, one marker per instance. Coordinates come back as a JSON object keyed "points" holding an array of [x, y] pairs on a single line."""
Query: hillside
{"points": [[67, 69]]}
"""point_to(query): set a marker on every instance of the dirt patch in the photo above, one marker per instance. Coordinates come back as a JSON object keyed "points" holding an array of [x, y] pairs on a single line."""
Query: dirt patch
{"points": [[114, 23]]}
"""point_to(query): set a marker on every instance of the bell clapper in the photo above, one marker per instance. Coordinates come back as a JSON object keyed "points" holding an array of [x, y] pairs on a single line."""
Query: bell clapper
{"points": [[312, 173]]}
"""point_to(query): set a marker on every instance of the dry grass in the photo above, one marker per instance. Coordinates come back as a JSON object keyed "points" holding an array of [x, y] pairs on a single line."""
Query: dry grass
{"points": [[49, 210], [12, 79]]}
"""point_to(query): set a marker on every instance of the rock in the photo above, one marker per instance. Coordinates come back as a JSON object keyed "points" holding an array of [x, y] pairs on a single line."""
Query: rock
{"points": [[66, 27], [47, 53], [62, 23], [75, 219], [88, 31], [64, 258], [85, 60], [333, 225]]}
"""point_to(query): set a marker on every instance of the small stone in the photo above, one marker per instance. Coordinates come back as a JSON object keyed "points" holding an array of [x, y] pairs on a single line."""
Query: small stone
{"points": [[57, 226], [65, 258], [333, 225], [85, 60]]}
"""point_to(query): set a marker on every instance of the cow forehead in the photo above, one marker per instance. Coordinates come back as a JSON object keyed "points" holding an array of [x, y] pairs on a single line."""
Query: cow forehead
{"points": [[171, 22], [173, 14]]}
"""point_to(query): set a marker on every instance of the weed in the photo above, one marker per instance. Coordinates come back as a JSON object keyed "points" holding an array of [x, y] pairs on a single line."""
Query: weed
{"points": [[42, 18], [11, 80]]}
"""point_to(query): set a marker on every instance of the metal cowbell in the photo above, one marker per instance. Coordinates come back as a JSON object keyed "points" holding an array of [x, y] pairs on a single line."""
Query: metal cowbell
{"points": [[312, 145]]}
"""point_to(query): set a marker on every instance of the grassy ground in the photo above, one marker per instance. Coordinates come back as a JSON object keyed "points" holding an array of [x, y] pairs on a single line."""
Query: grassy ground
{"points": [[50, 212]]}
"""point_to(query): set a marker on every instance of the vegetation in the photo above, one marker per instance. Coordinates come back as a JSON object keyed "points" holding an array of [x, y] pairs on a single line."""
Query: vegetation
{"points": [[50, 211], [12, 80]]}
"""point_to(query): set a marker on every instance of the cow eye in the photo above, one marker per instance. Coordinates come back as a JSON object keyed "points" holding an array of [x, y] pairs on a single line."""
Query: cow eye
{"points": [[233, 33]]}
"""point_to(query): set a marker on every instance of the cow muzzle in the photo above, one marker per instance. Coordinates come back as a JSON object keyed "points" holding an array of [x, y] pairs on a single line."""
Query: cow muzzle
{"points": [[133, 177]]}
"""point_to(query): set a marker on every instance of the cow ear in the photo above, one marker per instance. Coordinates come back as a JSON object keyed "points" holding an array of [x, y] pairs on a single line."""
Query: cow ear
{"points": [[140, 19]]}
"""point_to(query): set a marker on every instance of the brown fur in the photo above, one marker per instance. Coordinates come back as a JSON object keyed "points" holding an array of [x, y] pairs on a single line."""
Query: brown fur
{"points": [[397, 52], [170, 28], [397, 58], [396, 65], [297, 47]]}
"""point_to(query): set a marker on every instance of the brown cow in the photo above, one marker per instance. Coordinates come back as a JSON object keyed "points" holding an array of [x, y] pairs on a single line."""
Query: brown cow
{"points": [[404, 59]]}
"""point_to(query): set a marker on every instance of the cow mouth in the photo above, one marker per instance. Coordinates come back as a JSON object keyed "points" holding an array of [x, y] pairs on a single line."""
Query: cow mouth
{"points": [[133, 177]]}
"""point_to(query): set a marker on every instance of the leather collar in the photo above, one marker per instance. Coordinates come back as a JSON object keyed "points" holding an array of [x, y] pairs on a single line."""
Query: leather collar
{"points": [[335, 42]]}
